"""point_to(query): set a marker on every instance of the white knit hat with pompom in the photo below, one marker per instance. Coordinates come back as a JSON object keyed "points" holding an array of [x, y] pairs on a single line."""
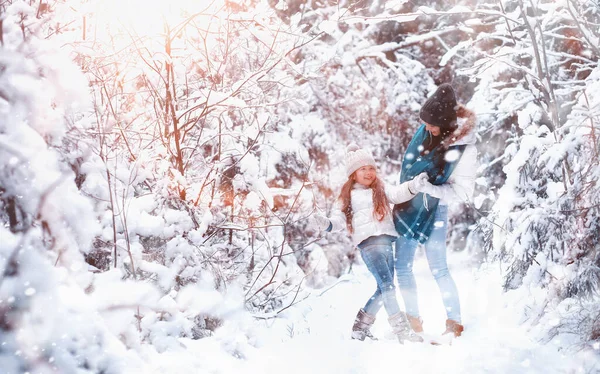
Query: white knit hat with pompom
{"points": [[356, 158]]}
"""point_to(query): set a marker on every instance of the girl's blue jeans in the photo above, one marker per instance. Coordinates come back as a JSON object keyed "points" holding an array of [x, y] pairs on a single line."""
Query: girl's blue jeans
{"points": [[435, 250], [378, 256]]}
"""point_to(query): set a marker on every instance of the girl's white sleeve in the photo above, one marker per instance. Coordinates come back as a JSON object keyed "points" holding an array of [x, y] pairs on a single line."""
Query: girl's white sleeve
{"points": [[398, 194], [337, 218]]}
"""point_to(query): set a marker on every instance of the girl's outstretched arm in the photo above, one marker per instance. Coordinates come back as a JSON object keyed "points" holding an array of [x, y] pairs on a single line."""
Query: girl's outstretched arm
{"points": [[405, 191]]}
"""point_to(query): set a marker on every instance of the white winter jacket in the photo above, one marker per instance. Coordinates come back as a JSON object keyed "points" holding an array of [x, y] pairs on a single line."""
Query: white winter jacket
{"points": [[461, 183], [364, 222]]}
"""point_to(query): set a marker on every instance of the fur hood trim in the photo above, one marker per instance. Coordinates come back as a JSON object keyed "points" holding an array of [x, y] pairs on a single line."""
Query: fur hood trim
{"points": [[465, 132]]}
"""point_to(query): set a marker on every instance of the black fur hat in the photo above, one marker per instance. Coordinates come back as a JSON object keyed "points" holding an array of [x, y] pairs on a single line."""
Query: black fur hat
{"points": [[440, 109]]}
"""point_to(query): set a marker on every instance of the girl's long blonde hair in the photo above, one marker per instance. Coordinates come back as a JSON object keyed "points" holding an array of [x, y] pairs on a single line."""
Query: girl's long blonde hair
{"points": [[381, 204]]}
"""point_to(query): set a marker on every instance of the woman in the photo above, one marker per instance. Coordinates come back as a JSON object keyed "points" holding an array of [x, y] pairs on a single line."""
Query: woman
{"points": [[364, 209], [443, 147]]}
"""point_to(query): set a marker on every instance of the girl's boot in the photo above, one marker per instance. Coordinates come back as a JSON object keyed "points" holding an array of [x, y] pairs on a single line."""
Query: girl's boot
{"points": [[401, 328], [362, 324]]}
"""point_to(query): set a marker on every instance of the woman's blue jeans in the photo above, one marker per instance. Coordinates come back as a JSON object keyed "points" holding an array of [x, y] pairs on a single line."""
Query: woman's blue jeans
{"points": [[378, 256], [435, 250]]}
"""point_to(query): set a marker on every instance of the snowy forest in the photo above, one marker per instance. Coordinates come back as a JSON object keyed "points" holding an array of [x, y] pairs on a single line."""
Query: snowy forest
{"points": [[160, 162]]}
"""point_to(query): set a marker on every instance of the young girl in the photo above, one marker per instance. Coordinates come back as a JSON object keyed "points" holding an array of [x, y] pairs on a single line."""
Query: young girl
{"points": [[364, 209]]}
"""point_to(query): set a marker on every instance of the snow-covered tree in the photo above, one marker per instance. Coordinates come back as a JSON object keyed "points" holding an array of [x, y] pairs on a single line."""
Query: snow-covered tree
{"points": [[47, 320], [534, 86]]}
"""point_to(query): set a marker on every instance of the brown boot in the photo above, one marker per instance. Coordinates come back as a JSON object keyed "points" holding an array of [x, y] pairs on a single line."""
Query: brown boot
{"points": [[454, 327], [401, 328], [416, 323], [362, 324]]}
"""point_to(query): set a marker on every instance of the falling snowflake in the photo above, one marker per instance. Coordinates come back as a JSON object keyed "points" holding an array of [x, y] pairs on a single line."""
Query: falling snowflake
{"points": [[452, 155]]}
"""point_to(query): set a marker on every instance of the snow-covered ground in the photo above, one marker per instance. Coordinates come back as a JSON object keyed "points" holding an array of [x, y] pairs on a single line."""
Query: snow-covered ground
{"points": [[314, 336]]}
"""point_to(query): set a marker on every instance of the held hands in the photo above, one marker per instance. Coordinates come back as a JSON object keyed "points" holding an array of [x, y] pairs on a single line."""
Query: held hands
{"points": [[428, 189], [418, 183], [320, 221]]}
